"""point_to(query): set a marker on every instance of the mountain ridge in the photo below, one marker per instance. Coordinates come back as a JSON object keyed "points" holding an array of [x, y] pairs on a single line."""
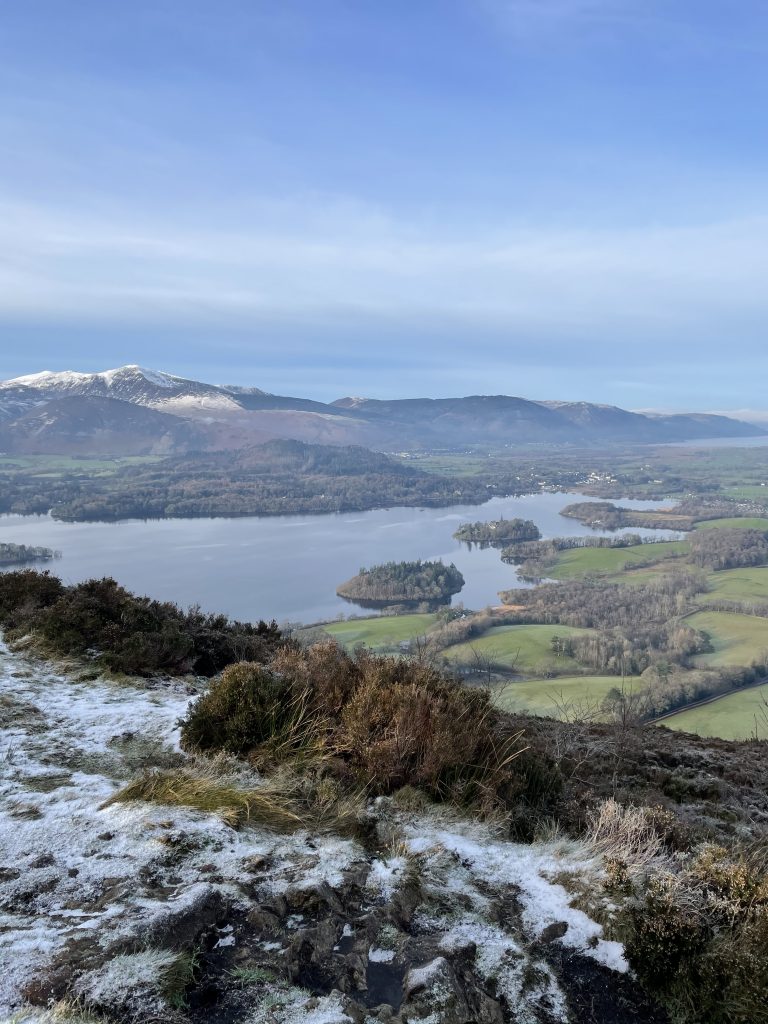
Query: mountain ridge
{"points": [[206, 417]]}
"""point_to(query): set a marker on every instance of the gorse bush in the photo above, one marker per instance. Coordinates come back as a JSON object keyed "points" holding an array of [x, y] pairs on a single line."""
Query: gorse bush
{"points": [[125, 633], [377, 722], [698, 939]]}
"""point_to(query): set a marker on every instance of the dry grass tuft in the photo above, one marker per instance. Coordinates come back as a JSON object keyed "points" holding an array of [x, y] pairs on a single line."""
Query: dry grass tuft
{"points": [[65, 1011], [289, 800], [626, 837], [203, 788]]}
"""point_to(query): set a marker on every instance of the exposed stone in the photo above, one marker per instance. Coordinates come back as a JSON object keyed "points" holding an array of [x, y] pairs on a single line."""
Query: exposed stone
{"points": [[553, 931], [181, 921]]}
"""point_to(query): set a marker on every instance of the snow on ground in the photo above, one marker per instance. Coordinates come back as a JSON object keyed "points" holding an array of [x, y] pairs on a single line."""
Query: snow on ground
{"points": [[498, 897], [529, 869], [184, 405], [69, 867]]}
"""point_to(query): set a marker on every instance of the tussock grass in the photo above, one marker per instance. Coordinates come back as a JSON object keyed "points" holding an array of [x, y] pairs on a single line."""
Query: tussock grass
{"points": [[286, 802], [65, 1011], [203, 789], [628, 837], [245, 976], [178, 976], [373, 723]]}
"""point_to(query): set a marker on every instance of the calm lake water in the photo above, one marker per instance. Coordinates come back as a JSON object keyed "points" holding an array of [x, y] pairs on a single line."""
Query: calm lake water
{"points": [[287, 567]]}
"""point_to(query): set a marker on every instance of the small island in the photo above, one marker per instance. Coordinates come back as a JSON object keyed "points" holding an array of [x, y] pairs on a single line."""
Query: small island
{"points": [[407, 584], [499, 533], [24, 554]]}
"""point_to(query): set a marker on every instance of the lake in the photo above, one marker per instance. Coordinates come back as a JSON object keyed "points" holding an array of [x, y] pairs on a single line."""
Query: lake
{"points": [[288, 567]]}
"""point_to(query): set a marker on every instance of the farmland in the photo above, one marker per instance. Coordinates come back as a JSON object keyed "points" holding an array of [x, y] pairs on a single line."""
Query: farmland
{"points": [[747, 585], [737, 716], [606, 561], [736, 639], [554, 697], [526, 649], [737, 522], [380, 634]]}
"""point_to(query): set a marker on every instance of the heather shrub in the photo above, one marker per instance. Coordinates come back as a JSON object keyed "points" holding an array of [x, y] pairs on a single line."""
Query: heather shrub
{"points": [[246, 706], [372, 721], [122, 632], [698, 939], [23, 593]]}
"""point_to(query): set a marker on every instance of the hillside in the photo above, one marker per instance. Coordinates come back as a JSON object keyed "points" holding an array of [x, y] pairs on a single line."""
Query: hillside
{"points": [[331, 839], [77, 425], [279, 477]]}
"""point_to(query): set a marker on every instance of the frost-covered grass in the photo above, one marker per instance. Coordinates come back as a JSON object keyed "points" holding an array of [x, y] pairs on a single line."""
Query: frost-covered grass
{"points": [[72, 868], [206, 790], [481, 857], [467, 872]]}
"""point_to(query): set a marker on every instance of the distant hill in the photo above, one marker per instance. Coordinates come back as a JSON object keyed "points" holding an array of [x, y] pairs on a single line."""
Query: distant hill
{"points": [[133, 410], [97, 426]]}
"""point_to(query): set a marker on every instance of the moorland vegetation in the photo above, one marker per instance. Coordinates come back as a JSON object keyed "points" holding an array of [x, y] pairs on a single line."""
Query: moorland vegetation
{"points": [[101, 622], [676, 822]]}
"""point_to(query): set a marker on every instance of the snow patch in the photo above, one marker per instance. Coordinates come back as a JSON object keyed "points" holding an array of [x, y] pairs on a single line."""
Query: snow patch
{"points": [[298, 1007], [47, 379], [381, 956], [499, 863], [72, 869]]}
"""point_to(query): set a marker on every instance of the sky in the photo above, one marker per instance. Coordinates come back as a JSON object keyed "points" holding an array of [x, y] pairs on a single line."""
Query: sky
{"points": [[549, 198]]}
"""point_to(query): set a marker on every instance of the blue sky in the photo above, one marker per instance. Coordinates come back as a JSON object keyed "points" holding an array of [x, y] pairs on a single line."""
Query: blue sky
{"points": [[551, 198]]}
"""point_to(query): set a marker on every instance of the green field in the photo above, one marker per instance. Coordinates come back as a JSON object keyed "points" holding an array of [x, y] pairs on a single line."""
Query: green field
{"points": [[522, 648], [56, 465], [739, 716], [550, 697], [759, 491], [749, 585], [737, 639], [743, 523], [383, 633], [581, 561]]}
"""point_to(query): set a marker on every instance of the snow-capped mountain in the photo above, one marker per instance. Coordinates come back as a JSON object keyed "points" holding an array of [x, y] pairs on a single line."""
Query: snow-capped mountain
{"points": [[134, 384]]}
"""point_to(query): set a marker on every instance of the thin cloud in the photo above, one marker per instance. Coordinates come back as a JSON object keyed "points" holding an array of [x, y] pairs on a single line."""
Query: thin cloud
{"points": [[344, 262]]}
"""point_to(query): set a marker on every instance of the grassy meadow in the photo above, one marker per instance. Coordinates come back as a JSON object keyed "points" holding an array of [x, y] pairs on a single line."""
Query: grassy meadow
{"points": [[737, 716], [736, 639], [738, 522], [526, 649], [608, 561], [382, 633], [552, 697], [748, 585]]}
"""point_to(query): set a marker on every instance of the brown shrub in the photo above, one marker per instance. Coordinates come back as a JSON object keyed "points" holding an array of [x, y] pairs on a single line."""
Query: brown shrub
{"points": [[379, 722]]}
